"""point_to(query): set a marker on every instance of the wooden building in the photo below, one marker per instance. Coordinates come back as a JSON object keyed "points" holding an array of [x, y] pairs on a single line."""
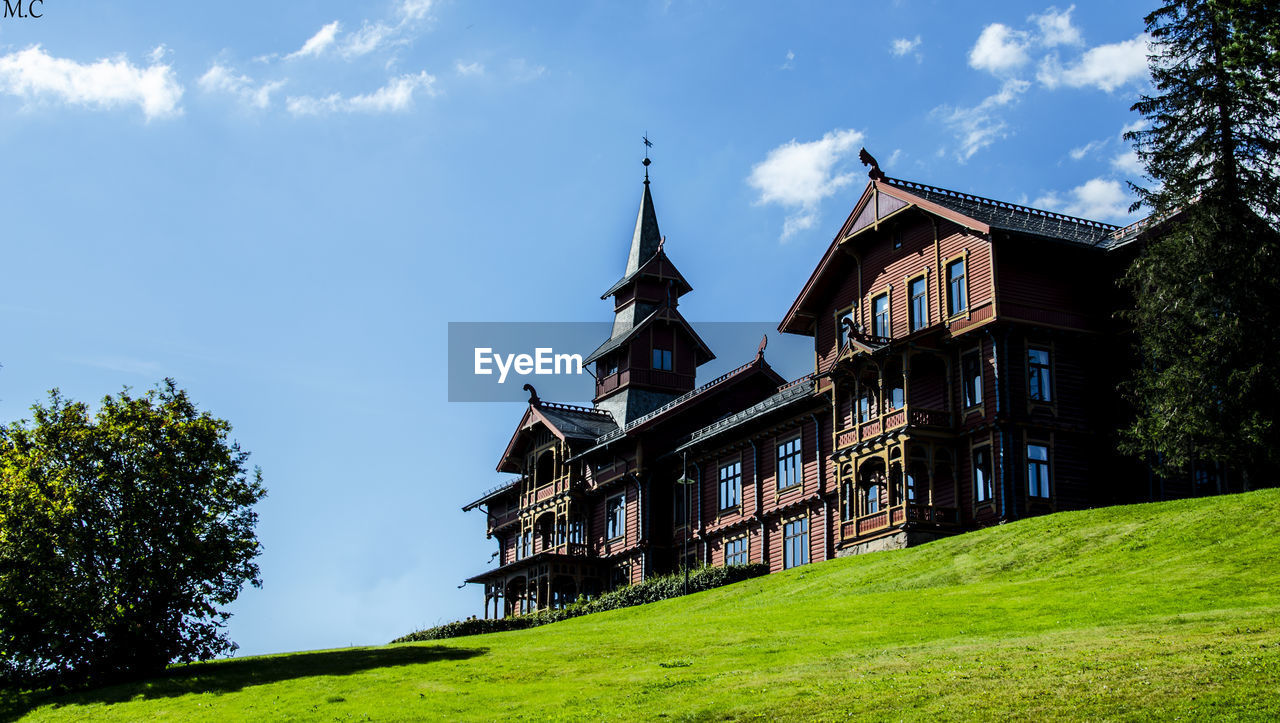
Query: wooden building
{"points": [[964, 375]]}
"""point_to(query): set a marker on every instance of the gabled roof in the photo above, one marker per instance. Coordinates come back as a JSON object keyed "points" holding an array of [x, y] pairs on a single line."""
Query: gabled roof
{"points": [[1010, 216], [663, 313], [568, 422], [576, 422], [786, 397], [885, 197], [724, 381], [658, 266]]}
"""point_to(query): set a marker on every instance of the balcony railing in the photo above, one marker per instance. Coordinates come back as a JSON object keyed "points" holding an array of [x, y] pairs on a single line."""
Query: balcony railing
{"points": [[936, 515], [546, 492], [922, 417], [896, 515], [872, 522], [909, 416]]}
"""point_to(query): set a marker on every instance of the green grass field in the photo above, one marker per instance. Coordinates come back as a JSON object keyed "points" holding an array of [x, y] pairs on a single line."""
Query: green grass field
{"points": [[1159, 611]]}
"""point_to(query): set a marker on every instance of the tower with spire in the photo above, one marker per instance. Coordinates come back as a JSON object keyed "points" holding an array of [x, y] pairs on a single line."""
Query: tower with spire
{"points": [[653, 353]]}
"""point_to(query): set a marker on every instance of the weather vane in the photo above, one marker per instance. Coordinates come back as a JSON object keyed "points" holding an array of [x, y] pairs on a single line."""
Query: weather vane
{"points": [[647, 145]]}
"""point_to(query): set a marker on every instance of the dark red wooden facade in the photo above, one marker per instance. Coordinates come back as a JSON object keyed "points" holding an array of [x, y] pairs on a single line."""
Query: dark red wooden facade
{"points": [[965, 362]]}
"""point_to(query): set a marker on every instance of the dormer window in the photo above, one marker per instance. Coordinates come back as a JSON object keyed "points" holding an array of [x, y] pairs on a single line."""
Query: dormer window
{"points": [[662, 359]]}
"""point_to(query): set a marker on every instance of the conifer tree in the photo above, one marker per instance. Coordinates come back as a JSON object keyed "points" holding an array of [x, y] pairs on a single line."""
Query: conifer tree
{"points": [[1206, 287]]}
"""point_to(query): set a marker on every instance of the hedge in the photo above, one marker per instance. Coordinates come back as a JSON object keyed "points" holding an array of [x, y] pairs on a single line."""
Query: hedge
{"points": [[651, 590]]}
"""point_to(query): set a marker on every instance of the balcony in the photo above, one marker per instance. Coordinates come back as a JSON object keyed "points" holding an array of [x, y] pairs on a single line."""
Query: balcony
{"points": [[877, 522], [915, 417], [546, 492], [645, 377]]}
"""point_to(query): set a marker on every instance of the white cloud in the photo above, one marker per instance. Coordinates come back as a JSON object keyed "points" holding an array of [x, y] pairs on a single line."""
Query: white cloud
{"points": [[366, 39], [1105, 67], [797, 176], [1129, 165], [901, 46], [415, 9], [474, 68], [1056, 28], [1079, 153], [394, 97], [220, 79], [1138, 125], [980, 126], [1099, 199], [33, 74], [317, 43], [1000, 49], [788, 65]]}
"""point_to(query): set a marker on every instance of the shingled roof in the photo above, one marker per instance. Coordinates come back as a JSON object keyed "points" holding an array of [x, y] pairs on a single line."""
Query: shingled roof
{"points": [[792, 392], [577, 422], [665, 313], [1011, 216]]}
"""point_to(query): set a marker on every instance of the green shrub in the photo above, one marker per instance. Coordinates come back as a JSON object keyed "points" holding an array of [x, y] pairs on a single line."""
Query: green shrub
{"points": [[651, 590]]}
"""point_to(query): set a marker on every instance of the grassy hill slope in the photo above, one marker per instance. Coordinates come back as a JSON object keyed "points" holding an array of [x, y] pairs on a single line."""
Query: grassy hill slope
{"points": [[1145, 611]]}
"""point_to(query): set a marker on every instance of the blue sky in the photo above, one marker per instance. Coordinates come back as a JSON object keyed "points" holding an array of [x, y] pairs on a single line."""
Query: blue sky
{"points": [[282, 205]]}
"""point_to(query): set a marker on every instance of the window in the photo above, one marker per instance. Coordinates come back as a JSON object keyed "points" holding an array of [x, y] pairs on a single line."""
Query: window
{"points": [[621, 575], [911, 484], [730, 485], [897, 239], [526, 546], [789, 463], [560, 531], [735, 552], [1038, 470], [608, 365], [1038, 380], [662, 359], [880, 321], [615, 512], [971, 367], [846, 501], [873, 499], [957, 289], [842, 330], [896, 398], [577, 531], [795, 543], [864, 407], [982, 489], [919, 304], [677, 505]]}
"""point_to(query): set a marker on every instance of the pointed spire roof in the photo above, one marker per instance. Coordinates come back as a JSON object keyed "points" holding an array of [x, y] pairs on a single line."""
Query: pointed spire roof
{"points": [[645, 240]]}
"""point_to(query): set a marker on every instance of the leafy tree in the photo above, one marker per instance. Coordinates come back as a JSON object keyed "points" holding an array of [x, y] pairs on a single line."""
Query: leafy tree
{"points": [[120, 535], [1207, 284]]}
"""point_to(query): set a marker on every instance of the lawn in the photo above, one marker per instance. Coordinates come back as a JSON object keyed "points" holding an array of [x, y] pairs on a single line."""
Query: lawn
{"points": [[1158, 611]]}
